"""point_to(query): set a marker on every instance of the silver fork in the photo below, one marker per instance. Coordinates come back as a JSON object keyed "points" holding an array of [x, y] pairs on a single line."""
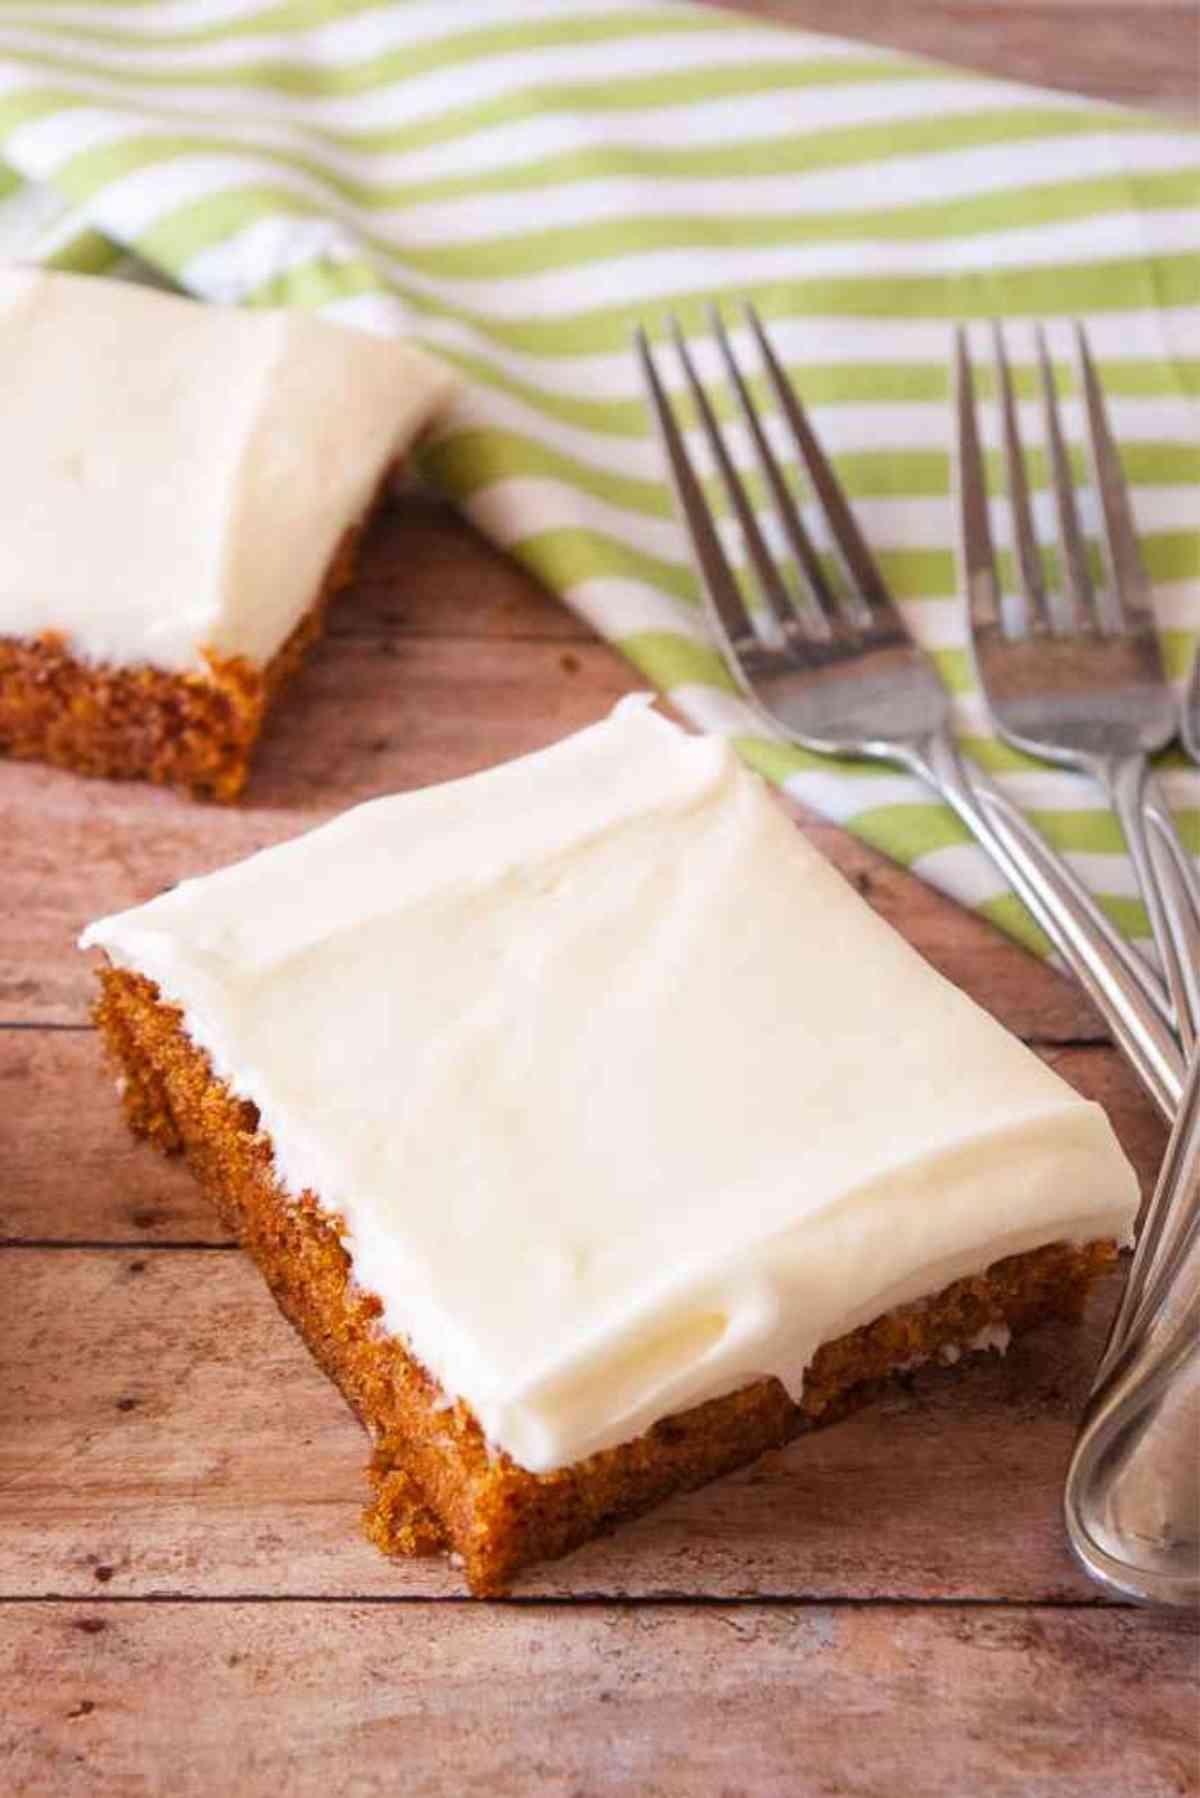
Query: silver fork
{"points": [[1077, 676], [841, 675], [1190, 721]]}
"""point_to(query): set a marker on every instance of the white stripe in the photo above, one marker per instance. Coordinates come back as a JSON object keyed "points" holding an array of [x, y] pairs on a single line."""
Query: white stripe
{"points": [[1112, 874], [662, 274], [1177, 603], [839, 796], [737, 120], [701, 124], [353, 42], [512, 509], [1050, 789], [40, 147], [26, 216], [894, 181], [130, 205], [273, 247], [963, 871], [940, 623], [619, 608], [413, 23], [485, 408], [842, 429], [384, 314], [889, 184], [820, 342], [516, 506]]}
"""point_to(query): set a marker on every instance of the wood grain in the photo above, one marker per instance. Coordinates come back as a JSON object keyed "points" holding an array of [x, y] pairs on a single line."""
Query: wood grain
{"points": [[1141, 52], [564, 1702]]}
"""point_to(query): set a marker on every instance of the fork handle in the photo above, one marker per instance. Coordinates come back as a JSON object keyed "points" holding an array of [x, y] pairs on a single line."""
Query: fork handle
{"points": [[1066, 912], [1136, 967], [1132, 1498], [1180, 882], [1127, 781]]}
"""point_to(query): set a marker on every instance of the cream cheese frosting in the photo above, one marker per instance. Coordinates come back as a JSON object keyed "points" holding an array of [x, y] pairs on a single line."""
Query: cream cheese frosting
{"points": [[175, 476], [625, 1097]]}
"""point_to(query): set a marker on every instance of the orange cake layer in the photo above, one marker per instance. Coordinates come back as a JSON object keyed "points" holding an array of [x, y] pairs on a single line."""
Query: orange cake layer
{"points": [[195, 732], [437, 1482]]}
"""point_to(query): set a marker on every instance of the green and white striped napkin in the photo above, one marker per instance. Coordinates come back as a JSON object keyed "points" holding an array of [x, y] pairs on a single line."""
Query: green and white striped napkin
{"points": [[517, 186]]}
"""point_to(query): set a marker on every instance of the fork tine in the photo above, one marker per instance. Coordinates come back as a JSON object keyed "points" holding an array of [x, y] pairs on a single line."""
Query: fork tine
{"points": [[825, 615], [868, 582], [1127, 602], [1032, 614], [1077, 582], [722, 595], [975, 530], [769, 579]]}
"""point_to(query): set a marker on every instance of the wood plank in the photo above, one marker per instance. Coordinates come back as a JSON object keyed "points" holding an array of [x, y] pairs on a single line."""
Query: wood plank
{"points": [[510, 1700], [56, 1087], [425, 571], [1140, 52], [163, 1431]]}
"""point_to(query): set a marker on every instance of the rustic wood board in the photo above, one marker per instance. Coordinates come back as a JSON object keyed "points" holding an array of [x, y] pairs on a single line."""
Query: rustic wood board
{"points": [[1140, 52], [826, 1700], [185, 1602]]}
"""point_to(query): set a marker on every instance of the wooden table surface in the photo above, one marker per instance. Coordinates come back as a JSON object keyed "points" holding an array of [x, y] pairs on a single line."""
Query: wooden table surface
{"points": [[186, 1605]]}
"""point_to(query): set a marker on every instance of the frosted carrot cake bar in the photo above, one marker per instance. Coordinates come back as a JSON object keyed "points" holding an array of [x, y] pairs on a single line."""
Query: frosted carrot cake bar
{"points": [[593, 1132], [182, 489]]}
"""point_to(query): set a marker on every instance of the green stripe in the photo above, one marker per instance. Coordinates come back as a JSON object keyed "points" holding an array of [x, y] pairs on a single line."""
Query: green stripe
{"points": [[1178, 649], [463, 464], [600, 240], [908, 832], [86, 253], [1047, 291], [568, 554], [1009, 915], [832, 147], [1171, 555], [1050, 291], [421, 56], [674, 661], [795, 153], [1129, 916], [849, 383], [778, 760], [468, 461], [568, 246], [1082, 832], [564, 557], [301, 77]]}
